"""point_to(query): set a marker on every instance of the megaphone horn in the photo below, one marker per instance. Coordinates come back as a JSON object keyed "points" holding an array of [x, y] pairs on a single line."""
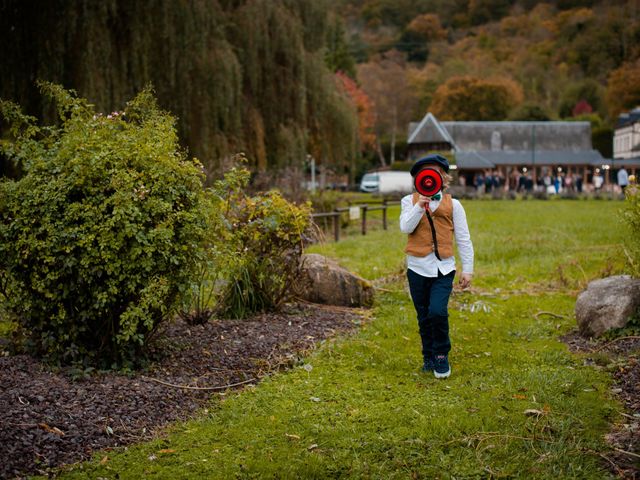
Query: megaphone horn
{"points": [[428, 182]]}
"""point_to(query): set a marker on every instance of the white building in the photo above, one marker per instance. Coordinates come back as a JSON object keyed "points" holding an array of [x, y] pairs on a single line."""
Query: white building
{"points": [[626, 139]]}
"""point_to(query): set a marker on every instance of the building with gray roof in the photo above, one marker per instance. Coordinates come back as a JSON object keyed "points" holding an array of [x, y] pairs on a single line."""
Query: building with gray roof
{"points": [[537, 147]]}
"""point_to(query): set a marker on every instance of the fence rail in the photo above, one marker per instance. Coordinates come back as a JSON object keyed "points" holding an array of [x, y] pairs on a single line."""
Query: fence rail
{"points": [[364, 208]]}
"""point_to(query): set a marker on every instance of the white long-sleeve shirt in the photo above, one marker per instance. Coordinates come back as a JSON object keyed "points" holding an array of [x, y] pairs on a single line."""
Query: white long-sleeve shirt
{"points": [[428, 266]]}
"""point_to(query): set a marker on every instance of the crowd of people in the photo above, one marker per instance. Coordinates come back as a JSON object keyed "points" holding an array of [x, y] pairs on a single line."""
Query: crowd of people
{"points": [[549, 182]]}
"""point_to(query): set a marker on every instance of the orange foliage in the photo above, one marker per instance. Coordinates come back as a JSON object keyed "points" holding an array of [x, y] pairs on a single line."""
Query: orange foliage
{"points": [[428, 26], [364, 109], [623, 88], [471, 98]]}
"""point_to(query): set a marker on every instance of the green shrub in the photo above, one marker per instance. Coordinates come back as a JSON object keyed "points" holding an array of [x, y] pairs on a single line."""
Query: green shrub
{"points": [[220, 247], [100, 238], [268, 235], [253, 249], [632, 217]]}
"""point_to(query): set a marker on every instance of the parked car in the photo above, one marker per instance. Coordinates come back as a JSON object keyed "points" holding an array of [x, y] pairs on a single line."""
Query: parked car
{"points": [[387, 182]]}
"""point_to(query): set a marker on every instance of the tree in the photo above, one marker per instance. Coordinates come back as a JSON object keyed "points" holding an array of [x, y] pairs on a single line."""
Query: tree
{"points": [[422, 30], [239, 75], [364, 108], [471, 98], [391, 12], [483, 11], [428, 26], [384, 79], [582, 108], [337, 56], [588, 90], [623, 88], [529, 112]]}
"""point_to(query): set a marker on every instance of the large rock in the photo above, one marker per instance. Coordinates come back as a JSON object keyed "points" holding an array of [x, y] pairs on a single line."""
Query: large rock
{"points": [[607, 303], [330, 284]]}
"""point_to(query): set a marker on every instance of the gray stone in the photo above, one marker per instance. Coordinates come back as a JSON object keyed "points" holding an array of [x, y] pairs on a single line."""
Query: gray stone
{"points": [[328, 283], [606, 304]]}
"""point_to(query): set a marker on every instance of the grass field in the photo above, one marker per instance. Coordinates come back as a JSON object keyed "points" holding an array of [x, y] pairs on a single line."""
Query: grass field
{"points": [[359, 406]]}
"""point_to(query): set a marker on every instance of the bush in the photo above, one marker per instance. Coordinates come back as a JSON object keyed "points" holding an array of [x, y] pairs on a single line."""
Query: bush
{"points": [[253, 249], [268, 237], [220, 246], [100, 237]]}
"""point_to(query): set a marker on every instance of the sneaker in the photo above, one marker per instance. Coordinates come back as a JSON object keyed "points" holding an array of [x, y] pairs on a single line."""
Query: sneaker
{"points": [[441, 367], [428, 365]]}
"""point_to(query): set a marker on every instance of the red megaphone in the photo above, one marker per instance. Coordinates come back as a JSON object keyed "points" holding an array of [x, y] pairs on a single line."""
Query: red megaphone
{"points": [[428, 182]]}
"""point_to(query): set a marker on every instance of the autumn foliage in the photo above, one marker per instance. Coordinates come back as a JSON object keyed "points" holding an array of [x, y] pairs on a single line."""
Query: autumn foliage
{"points": [[428, 26], [623, 88], [471, 98], [364, 108]]}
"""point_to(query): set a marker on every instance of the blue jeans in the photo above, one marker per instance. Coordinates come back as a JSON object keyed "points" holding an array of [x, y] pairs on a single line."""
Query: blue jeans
{"points": [[430, 297]]}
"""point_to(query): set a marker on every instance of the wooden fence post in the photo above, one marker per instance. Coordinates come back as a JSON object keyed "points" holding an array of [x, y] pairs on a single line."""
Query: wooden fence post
{"points": [[384, 217], [364, 219], [336, 226]]}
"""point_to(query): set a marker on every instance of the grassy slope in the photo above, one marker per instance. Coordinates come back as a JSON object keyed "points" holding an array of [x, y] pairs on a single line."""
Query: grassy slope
{"points": [[361, 408]]}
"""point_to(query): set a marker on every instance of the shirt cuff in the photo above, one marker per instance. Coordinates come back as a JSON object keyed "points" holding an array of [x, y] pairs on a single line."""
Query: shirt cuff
{"points": [[417, 208]]}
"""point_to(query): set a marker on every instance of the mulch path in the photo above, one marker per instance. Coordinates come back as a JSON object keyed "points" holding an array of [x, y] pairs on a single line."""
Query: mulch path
{"points": [[47, 419], [621, 357]]}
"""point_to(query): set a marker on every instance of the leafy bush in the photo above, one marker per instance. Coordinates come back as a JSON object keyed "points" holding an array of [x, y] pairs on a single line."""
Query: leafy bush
{"points": [[632, 217], [268, 235], [253, 249], [220, 247], [100, 238]]}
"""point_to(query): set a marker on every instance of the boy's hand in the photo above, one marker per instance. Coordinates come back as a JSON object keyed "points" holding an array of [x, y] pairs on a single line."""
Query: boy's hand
{"points": [[423, 201], [465, 280]]}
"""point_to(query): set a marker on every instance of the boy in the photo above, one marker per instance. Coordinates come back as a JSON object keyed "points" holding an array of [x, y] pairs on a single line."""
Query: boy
{"points": [[431, 263]]}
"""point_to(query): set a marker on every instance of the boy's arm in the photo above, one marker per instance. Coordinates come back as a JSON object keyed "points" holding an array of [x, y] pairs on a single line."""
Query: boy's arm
{"points": [[463, 241], [410, 214]]}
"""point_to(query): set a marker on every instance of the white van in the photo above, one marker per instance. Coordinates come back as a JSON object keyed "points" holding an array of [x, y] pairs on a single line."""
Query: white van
{"points": [[387, 182]]}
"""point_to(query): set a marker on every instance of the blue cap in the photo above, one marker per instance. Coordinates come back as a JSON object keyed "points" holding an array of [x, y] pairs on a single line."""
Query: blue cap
{"points": [[433, 159]]}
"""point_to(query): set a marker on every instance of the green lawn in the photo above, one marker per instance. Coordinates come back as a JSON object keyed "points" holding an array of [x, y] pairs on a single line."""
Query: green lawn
{"points": [[360, 407]]}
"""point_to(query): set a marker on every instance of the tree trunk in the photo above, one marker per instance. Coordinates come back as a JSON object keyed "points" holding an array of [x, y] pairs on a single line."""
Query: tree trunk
{"points": [[394, 124], [383, 161], [323, 175]]}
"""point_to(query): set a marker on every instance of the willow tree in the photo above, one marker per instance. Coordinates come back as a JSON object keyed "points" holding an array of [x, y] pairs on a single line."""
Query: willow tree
{"points": [[238, 74]]}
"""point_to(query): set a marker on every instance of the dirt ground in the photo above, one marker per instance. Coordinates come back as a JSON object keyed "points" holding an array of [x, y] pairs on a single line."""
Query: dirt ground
{"points": [[48, 419], [621, 358]]}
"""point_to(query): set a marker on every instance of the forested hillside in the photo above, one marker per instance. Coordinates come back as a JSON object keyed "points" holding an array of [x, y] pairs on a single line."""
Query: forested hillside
{"points": [[240, 75], [337, 79], [496, 60]]}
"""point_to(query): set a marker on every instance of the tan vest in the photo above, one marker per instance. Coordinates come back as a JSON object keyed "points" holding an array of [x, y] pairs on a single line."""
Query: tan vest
{"points": [[420, 241]]}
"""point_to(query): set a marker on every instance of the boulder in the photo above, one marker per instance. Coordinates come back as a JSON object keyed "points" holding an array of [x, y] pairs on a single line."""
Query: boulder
{"points": [[328, 283], [606, 304]]}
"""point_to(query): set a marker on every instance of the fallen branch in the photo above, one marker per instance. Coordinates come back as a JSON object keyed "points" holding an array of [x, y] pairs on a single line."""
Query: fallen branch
{"points": [[188, 387], [481, 437], [614, 341], [619, 471], [556, 315], [386, 290], [627, 453]]}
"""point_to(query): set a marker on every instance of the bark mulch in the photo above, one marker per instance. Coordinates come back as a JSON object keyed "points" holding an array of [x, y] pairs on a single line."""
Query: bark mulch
{"points": [[48, 419], [621, 357]]}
